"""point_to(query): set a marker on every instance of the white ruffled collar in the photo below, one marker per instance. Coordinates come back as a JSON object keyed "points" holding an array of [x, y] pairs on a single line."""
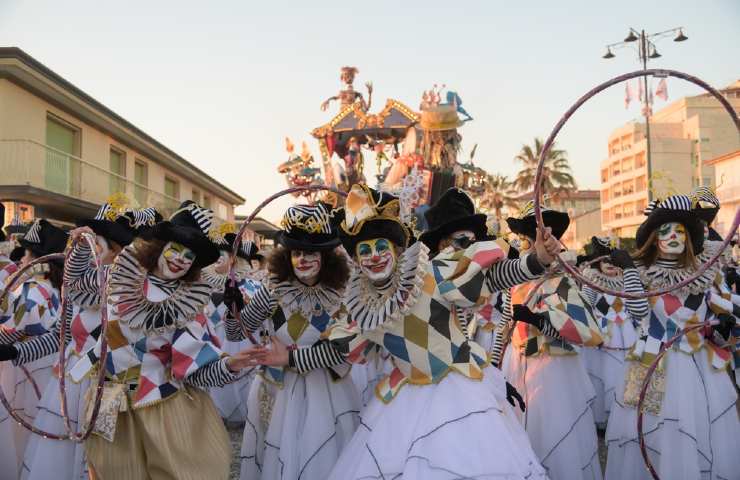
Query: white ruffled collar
{"points": [[218, 280], [294, 296], [665, 273], [602, 280], [371, 306]]}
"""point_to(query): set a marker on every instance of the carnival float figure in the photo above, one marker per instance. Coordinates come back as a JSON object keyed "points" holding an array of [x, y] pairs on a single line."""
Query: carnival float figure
{"points": [[400, 301], [113, 227], [302, 407], [550, 320], [230, 399], [155, 413], [299, 170], [618, 318], [690, 421], [29, 310], [349, 96]]}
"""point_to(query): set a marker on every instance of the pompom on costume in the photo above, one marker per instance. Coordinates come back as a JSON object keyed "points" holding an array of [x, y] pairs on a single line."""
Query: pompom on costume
{"points": [[690, 421], [299, 417], [434, 414], [161, 356]]}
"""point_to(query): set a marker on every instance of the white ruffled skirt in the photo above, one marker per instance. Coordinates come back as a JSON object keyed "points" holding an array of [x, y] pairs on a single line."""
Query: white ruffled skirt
{"points": [[24, 399], [558, 420], [45, 458], [297, 430], [457, 428], [696, 434], [231, 399], [365, 377]]}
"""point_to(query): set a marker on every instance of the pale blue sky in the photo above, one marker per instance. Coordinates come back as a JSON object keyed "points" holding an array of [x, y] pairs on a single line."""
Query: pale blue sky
{"points": [[222, 83]]}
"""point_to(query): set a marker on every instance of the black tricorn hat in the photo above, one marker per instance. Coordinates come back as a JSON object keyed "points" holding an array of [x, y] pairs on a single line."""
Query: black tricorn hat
{"points": [[369, 214], [247, 249], [120, 226], [43, 238], [676, 208], [705, 203], [526, 224], [453, 211], [188, 226], [600, 246], [308, 228]]}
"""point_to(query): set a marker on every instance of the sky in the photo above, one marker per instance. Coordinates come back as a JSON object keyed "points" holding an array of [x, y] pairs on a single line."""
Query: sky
{"points": [[222, 83]]}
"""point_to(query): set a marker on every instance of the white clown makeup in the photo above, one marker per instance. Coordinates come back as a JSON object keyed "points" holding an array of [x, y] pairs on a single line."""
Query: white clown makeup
{"points": [[175, 261], [608, 269], [525, 243], [222, 264], [671, 240], [462, 239], [377, 259], [102, 248], [306, 265]]}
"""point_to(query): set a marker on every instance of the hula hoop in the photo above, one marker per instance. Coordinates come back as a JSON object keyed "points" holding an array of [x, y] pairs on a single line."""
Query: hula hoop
{"points": [[551, 139], [243, 228], [10, 286], [643, 391], [102, 283]]}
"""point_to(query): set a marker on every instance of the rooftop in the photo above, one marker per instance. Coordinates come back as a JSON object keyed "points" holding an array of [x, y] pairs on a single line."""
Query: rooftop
{"points": [[721, 158]]}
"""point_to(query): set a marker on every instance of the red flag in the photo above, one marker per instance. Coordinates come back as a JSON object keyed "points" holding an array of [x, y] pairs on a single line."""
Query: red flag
{"points": [[662, 90]]}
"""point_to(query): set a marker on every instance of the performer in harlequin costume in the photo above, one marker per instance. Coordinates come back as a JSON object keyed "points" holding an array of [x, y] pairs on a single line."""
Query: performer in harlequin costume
{"points": [[113, 227], [617, 317], [690, 419], [551, 319], [29, 310], [435, 414], [230, 400], [154, 421], [302, 407]]}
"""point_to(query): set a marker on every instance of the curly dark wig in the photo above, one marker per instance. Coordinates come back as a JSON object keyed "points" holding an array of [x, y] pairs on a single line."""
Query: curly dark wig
{"points": [[333, 274], [147, 252]]}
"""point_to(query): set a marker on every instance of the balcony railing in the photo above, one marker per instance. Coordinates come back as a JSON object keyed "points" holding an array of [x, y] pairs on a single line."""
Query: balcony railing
{"points": [[26, 162]]}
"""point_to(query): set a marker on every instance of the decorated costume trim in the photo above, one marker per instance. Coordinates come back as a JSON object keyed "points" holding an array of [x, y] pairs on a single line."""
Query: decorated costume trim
{"points": [[294, 296], [605, 281], [665, 273]]}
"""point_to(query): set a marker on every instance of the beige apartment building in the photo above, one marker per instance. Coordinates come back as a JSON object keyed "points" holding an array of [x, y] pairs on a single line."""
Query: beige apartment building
{"points": [[727, 177], [62, 153], [683, 135]]}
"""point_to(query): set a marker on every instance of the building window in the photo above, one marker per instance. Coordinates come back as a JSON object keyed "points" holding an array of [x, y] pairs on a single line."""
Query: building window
{"points": [[223, 211], [171, 188], [62, 171], [206, 201], [196, 196], [118, 169], [141, 178]]}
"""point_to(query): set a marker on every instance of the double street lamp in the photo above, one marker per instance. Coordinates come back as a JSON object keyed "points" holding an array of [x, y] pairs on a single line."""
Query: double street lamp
{"points": [[646, 50]]}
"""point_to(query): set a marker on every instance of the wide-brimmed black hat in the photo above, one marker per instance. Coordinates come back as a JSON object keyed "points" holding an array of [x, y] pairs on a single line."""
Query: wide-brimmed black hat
{"points": [[676, 208], [705, 203], [308, 228], [43, 238], [525, 223], [369, 214], [453, 211], [188, 226], [120, 226]]}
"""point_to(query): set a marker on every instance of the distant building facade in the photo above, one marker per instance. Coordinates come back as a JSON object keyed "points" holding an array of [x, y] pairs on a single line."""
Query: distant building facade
{"points": [[727, 178]]}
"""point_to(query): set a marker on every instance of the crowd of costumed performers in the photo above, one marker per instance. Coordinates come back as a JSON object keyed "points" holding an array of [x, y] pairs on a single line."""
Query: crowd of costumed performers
{"points": [[364, 349]]}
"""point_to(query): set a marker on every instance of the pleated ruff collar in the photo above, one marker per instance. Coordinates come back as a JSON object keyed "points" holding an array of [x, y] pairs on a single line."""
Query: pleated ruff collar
{"points": [[604, 281], [293, 296], [665, 273]]}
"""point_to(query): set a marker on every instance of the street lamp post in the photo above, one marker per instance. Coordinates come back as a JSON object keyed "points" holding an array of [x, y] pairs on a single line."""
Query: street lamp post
{"points": [[646, 49]]}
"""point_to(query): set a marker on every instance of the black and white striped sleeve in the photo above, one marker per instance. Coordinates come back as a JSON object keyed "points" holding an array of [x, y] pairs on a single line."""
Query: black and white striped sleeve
{"points": [[637, 308], [320, 355], [80, 275], [44, 345], [9, 338], [215, 374], [499, 331], [590, 294], [259, 309], [510, 272]]}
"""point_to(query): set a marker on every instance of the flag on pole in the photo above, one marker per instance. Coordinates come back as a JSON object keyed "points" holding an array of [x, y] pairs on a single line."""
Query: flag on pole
{"points": [[662, 90]]}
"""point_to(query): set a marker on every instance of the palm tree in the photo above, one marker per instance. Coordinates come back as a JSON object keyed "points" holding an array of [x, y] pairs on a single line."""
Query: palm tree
{"points": [[557, 179], [499, 193]]}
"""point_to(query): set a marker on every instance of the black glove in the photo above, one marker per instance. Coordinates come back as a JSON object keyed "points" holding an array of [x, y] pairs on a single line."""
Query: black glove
{"points": [[621, 259], [512, 394], [233, 297], [522, 313], [8, 352], [726, 323]]}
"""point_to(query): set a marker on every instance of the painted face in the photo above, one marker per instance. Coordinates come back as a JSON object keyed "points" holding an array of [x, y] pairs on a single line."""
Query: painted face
{"points": [[104, 250], [608, 269], [671, 239], [462, 239], [222, 264], [306, 265], [377, 258], [175, 261], [525, 243]]}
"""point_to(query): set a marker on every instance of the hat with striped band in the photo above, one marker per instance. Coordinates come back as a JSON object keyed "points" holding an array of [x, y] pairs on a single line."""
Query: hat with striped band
{"points": [[705, 203], [526, 224], [678, 209], [307, 227], [43, 238], [118, 223], [224, 236]]}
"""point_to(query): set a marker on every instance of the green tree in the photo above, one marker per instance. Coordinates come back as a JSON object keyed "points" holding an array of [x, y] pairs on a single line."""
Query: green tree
{"points": [[557, 178], [499, 194]]}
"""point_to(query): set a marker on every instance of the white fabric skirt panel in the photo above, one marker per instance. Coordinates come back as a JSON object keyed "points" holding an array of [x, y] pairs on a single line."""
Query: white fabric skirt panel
{"points": [[231, 399], [694, 437], [45, 458], [558, 394], [457, 428], [366, 376], [312, 419], [22, 396]]}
